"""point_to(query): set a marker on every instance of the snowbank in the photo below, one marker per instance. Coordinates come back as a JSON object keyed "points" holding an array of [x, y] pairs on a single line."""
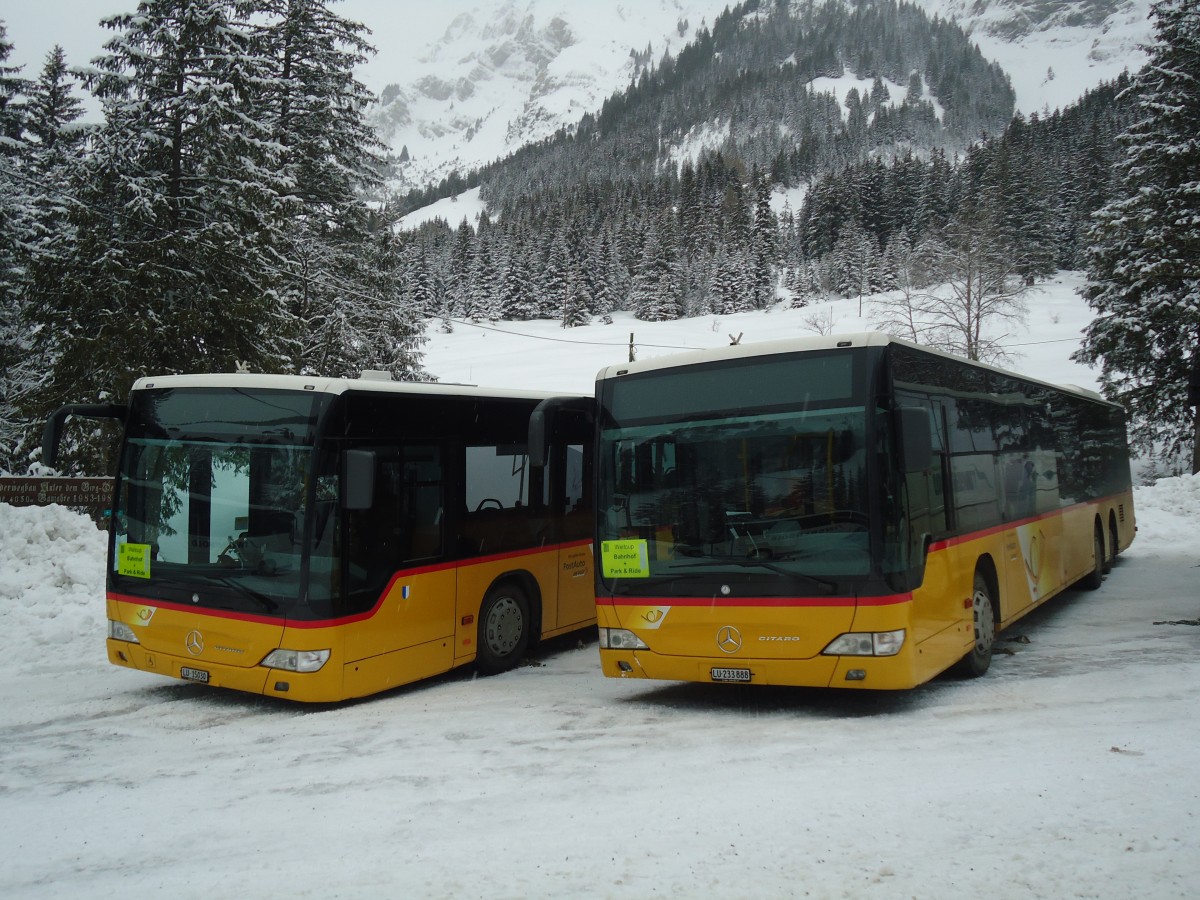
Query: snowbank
{"points": [[51, 579]]}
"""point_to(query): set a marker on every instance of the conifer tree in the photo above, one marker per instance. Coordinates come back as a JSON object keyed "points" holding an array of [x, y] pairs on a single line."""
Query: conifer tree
{"points": [[517, 294], [655, 293], [52, 110], [732, 290], [575, 311], [315, 107], [420, 280], [55, 145], [14, 234], [1144, 264], [389, 336], [461, 253], [12, 88], [556, 279], [482, 291], [315, 103], [180, 205], [51, 145]]}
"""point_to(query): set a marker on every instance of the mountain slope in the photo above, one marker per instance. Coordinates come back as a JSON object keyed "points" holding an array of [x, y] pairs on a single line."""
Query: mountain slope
{"points": [[1053, 51], [504, 75]]}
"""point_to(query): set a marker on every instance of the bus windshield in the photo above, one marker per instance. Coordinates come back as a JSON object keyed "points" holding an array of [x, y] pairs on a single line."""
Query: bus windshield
{"points": [[777, 487], [213, 492]]}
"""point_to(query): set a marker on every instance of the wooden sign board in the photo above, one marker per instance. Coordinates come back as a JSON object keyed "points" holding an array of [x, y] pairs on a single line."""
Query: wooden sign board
{"points": [[93, 493]]}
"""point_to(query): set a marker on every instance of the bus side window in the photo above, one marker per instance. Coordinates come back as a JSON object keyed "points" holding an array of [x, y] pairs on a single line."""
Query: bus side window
{"points": [[421, 503], [403, 523], [569, 489], [577, 512], [925, 494], [505, 501], [975, 480]]}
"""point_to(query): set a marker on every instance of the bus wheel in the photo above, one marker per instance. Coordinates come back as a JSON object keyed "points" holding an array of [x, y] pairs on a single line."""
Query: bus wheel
{"points": [[976, 662], [1095, 578], [503, 629]]}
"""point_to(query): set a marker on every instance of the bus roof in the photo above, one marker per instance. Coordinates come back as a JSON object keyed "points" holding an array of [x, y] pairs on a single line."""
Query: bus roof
{"points": [[369, 381], [817, 342]]}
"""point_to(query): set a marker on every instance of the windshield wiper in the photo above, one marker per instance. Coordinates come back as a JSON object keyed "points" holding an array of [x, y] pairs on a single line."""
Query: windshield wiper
{"points": [[258, 596], [632, 585], [786, 573], [770, 567]]}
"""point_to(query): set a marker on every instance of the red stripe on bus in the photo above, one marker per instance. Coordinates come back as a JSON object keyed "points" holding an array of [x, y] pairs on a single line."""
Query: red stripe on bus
{"points": [[739, 602], [204, 611], [946, 543]]}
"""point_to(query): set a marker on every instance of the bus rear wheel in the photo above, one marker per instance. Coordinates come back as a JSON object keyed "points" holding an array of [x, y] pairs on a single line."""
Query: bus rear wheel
{"points": [[1095, 578], [977, 660], [504, 622]]}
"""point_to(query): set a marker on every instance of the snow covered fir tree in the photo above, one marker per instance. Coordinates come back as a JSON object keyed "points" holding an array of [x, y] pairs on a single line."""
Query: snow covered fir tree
{"points": [[235, 207], [1144, 263], [217, 217]]}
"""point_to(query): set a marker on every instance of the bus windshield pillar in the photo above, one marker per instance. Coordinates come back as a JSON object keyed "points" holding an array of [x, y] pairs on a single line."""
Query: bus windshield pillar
{"points": [[199, 507]]}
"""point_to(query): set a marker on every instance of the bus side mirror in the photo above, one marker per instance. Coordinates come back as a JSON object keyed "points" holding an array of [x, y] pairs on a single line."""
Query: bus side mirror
{"points": [[916, 441], [358, 479], [542, 423], [539, 435], [52, 434]]}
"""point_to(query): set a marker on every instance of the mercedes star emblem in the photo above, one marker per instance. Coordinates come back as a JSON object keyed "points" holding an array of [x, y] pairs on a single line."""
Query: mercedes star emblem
{"points": [[729, 639], [194, 643]]}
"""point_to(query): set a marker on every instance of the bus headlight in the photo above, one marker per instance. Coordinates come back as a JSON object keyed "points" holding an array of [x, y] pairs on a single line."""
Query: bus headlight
{"points": [[866, 643], [620, 639], [296, 660], [119, 631]]}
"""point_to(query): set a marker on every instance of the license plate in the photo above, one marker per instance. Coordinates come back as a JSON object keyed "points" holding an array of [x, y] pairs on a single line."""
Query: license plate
{"points": [[193, 674], [742, 675]]}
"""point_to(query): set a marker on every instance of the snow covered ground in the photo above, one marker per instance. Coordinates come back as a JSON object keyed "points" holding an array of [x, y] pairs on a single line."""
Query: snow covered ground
{"points": [[543, 355], [1068, 771]]}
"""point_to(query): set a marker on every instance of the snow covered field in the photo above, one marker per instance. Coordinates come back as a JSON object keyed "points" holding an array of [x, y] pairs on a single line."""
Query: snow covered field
{"points": [[1068, 771]]}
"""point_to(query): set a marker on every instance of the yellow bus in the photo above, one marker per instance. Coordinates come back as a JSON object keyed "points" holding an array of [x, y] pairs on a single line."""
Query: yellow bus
{"points": [[848, 511], [319, 539]]}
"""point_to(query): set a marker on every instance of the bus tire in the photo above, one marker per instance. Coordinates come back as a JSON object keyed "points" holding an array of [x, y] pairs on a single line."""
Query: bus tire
{"points": [[1114, 544], [1095, 578], [979, 657], [504, 628]]}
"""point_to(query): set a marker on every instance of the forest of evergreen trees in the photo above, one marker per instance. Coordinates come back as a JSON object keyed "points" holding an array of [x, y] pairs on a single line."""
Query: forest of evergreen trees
{"points": [[230, 209]]}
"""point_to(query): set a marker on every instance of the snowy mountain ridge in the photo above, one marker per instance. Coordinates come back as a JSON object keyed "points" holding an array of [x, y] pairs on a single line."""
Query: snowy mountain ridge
{"points": [[503, 75], [506, 74], [1014, 19]]}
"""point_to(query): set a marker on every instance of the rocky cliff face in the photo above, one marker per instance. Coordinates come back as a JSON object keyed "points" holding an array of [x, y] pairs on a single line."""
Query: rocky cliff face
{"points": [[1014, 19], [503, 75]]}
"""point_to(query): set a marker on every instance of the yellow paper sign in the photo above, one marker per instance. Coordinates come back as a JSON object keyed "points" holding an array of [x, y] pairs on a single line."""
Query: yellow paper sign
{"points": [[133, 560], [625, 559]]}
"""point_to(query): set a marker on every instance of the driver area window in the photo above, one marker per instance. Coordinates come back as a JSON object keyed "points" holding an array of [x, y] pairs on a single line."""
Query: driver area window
{"points": [[499, 490]]}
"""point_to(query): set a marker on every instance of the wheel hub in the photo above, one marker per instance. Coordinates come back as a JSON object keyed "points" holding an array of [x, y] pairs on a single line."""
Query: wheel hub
{"points": [[504, 625]]}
